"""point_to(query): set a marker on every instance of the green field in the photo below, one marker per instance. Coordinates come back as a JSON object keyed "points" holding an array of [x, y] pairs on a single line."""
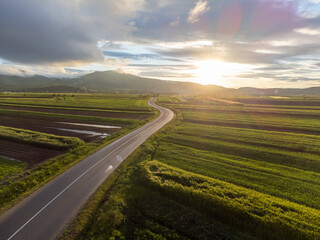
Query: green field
{"points": [[37, 138], [219, 171], [83, 118], [91, 101], [30, 119]]}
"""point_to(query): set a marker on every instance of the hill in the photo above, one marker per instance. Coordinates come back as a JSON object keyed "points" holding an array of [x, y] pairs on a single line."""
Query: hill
{"points": [[109, 81], [14, 83], [115, 81], [112, 81]]}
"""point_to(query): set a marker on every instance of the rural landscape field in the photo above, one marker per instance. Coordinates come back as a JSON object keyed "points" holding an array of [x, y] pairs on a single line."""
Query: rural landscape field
{"points": [[237, 168], [160, 120], [42, 135]]}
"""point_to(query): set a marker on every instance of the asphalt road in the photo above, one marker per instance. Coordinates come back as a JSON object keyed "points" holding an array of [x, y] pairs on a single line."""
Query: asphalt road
{"points": [[44, 214]]}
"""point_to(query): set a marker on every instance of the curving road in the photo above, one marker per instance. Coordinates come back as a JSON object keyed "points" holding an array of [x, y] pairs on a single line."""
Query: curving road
{"points": [[45, 213]]}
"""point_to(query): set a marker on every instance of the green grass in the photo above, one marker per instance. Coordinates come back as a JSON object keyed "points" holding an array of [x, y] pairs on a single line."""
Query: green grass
{"points": [[306, 161], [266, 110], [170, 99], [279, 140], [75, 108], [280, 123], [164, 99], [254, 212], [300, 186], [83, 118], [94, 101], [38, 138], [9, 167]]}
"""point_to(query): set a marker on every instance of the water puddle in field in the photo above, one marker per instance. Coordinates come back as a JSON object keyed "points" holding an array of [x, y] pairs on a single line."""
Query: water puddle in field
{"points": [[90, 125], [91, 133], [9, 158]]}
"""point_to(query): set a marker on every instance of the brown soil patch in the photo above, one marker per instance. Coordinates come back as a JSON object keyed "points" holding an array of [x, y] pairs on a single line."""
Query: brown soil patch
{"points": [[27, 153], [52, 125]]}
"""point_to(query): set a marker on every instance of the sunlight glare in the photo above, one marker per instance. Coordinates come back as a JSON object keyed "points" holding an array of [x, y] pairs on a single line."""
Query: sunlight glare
{"points": [[214, 72], [211, 72]]}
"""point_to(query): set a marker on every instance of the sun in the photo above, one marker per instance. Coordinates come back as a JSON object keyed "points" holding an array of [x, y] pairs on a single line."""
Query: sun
{"points": [[212, 72]]}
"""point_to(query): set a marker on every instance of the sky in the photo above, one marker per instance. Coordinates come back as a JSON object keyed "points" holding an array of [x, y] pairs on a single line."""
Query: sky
{"points": [[231, 43]]}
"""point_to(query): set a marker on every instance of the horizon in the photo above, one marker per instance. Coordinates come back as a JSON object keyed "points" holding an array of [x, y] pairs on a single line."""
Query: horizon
{"points": [[236, 88], [229, 43]]}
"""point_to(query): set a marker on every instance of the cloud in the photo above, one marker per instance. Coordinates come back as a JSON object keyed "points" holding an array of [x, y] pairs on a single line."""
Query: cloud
{"points": [[176, 22], [130, 55], [59, 31], [199, 9], [275, 36]]}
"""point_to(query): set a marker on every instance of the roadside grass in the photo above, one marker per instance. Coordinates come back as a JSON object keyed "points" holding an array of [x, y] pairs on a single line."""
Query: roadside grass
{"points": [[38, 138], [9, 167]]}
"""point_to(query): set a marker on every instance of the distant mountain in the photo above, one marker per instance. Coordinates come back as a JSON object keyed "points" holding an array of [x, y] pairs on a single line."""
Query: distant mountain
{"points": [[115, 81], [111, 81], [13, 83]]}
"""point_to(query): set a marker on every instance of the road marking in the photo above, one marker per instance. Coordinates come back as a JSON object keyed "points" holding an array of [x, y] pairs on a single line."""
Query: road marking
{"points": [[76, 181]]}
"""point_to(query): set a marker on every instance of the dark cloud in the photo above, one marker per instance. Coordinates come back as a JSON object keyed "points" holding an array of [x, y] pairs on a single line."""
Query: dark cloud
{"points": [[55, 31]]}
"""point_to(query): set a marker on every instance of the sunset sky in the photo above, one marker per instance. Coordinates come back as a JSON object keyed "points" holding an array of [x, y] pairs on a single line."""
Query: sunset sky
{"points": [[232, 43]]}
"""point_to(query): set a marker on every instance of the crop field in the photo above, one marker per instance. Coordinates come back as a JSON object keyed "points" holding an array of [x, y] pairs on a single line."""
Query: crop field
{"points": [[219, 171], [88, 117], [89, 101], [43, 134]]}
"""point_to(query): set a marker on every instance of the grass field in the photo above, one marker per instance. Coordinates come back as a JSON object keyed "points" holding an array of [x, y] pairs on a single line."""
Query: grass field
{"points": [[219, 171], [9, 168], [52, 132], [37, 138], [91, 101]]}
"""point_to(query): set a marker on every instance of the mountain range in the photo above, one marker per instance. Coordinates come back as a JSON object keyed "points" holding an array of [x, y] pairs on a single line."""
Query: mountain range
{"points": [[112, 81]]}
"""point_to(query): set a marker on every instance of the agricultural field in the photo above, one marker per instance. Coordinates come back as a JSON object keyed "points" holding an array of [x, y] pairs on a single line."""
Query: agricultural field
{"points": [[43, 134], [244, 168]]}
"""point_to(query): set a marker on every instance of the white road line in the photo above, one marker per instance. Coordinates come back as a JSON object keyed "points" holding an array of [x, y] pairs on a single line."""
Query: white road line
{"points": [[73, 183]]}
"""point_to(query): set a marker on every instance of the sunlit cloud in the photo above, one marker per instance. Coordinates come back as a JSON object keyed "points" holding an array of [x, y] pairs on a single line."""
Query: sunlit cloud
{"points": [[200, 8], [248, 42]]}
